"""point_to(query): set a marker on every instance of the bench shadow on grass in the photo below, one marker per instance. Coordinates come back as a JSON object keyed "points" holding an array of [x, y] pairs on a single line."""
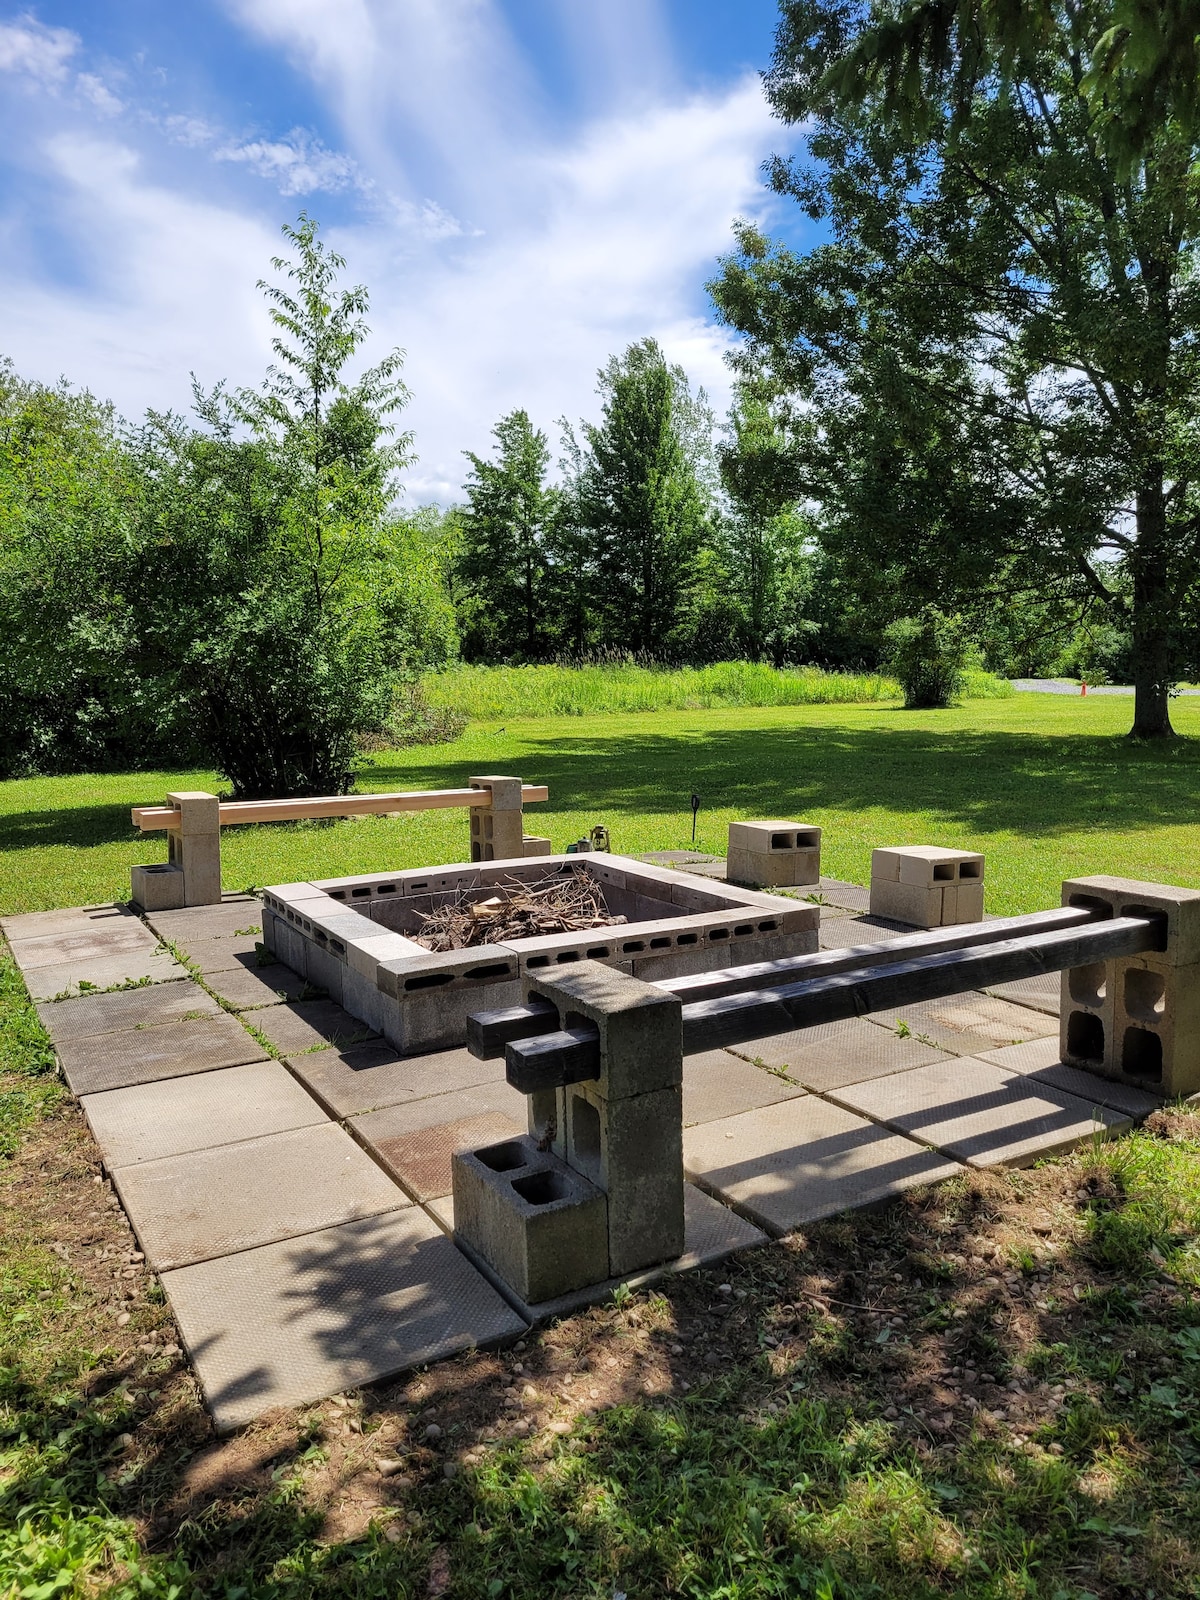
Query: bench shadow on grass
{"points": [[987, 781]]}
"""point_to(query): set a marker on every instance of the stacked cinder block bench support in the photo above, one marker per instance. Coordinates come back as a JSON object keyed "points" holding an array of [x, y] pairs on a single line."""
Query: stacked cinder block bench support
{"points": [[603, 1160], [927, 886], [1138, 1019], [193, 821], [775, 854]]}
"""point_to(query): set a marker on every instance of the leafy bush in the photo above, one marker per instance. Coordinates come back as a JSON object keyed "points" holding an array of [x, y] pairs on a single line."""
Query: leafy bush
{"points": [[929, 654]]}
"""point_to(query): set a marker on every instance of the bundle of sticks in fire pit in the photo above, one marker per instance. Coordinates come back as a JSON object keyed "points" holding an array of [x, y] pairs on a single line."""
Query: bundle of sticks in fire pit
{"points": [[518, 910]]}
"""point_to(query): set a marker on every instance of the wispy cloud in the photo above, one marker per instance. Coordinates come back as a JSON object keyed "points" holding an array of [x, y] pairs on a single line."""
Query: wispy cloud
{"points": [[297, 164], [31, 50]]}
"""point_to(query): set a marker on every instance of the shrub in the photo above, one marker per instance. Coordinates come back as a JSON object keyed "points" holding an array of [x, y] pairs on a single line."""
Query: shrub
{"points": [[929, 654]]}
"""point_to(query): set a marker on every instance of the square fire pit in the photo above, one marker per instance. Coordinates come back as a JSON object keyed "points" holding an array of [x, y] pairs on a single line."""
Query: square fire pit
{"points": [[353, 937]]}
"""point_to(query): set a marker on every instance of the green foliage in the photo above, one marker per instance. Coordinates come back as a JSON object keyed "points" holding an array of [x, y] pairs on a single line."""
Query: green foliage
{"points": [[28, 1080], [504, 558], [929, 654], [71, 692], [640, 499], [987, 373], [498, 692]]}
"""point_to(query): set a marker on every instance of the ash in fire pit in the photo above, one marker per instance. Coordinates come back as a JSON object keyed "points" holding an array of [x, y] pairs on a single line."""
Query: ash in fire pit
{"points": [[518, 910]]}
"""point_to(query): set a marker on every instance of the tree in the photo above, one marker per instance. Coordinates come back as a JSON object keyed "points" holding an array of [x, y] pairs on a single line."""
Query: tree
{"points": [[73, 692], [504, 558], [283, 598], [641, 500], [991, 369]]}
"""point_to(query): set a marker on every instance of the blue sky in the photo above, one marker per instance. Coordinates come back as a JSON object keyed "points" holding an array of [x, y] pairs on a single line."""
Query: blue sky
{"points": [[524, 185]]}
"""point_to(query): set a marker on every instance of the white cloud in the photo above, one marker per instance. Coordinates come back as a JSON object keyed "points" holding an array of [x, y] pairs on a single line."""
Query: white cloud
{"points": [[510, 256], [299, 164], [98, 95], [35, 51]]}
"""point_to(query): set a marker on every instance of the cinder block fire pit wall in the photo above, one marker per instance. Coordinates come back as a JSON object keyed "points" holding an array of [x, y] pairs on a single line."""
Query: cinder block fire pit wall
{"points": [[349, 936]]}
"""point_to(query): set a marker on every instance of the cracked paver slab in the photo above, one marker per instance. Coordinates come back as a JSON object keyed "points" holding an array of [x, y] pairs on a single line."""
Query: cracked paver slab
{"points": [[1039, 1060], [143, 1055], [216, 1202], [295, 1321], [835, 1053], [88, 1015], [979, 1114], [968, 1024], [303, 1025], [369, 1076], [422, 1161], [785, 1165], [152, 1120], [719, 1084], [249, 988], [134, 968]]}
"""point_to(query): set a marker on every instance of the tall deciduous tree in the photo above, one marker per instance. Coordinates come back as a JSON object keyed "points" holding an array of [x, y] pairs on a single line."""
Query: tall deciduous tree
{"points": [[504, 556], [992, 366], [641, 499]]}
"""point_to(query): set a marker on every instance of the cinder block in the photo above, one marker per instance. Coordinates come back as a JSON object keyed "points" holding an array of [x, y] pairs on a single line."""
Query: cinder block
{"points": [[199, 811], [157, 888], [541, 1227], [497, 833], [633, 1150], [641, 1027], [198, 855], [926, 885], [431, 996], [1137, 1020], [536, 844], [775, 853], [366, 954]]}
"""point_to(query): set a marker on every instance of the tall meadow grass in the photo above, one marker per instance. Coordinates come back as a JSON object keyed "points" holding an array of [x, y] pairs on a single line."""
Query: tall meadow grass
{"points": [[498, 692]]}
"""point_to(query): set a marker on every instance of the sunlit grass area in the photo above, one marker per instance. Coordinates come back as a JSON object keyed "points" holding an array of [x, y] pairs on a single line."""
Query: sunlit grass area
{"points": [[1046, 786]]}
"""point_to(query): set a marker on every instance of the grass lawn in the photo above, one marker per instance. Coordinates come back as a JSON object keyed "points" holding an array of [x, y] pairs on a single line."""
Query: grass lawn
{"points": [[989, 1390], [1046, 785]]}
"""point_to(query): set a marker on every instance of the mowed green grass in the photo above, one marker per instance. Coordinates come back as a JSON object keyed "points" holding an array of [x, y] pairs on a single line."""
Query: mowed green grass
{"points": [[1047, 786]]}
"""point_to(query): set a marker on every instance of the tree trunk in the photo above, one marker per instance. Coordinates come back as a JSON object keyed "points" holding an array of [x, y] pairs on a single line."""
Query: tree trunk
{"points": [[1153, 652]]}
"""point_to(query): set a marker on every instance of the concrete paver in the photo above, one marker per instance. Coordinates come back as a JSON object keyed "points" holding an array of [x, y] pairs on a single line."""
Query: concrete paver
{"points": [[844, 896], [967, 1024], [144, 1055], [209, 1203], [834, 1053], [836, 933], [88, 1015], [977, 1113], [718, 1084], [248, 987], [235, 915], [1042, 994], [297, 1320], [789, 1164], [151, 1120], [222, 955], [421, 1161], [69, 919], [102, 972], [124, 937], [410, 1116], [1039, 1060], [368, 1076], [311, 1025]]}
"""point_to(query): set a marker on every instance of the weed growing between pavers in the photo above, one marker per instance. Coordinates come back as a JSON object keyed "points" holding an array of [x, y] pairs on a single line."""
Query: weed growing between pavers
{"points": [[29, 1084]]}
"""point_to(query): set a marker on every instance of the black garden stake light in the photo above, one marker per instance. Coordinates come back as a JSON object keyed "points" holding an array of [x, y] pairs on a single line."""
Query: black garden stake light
{"points": [[695, 809]]}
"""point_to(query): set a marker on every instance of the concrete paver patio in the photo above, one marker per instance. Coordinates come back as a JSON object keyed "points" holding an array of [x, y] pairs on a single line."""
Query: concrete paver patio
{"points": [[298, 1208]]}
